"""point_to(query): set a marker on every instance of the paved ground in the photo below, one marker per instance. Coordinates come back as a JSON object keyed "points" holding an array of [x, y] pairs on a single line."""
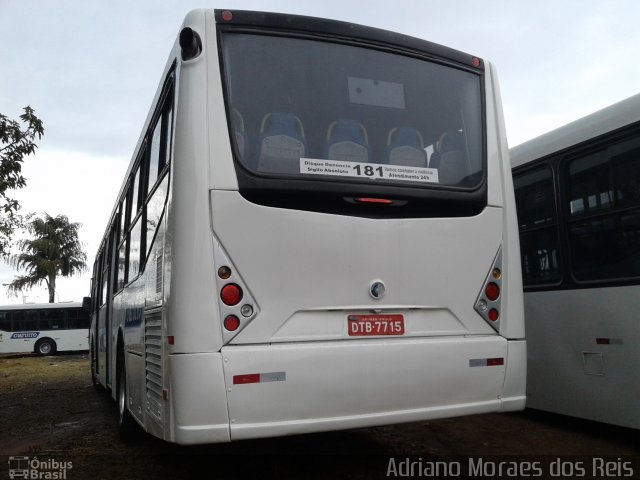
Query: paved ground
{"points": [[50, 411]]}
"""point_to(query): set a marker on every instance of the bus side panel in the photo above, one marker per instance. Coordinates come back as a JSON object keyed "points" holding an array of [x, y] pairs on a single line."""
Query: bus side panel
{"points": [[16, 345], [305, 387], [572, 368], [515, 383], [191, 300], [67, 340], [501, 193]]}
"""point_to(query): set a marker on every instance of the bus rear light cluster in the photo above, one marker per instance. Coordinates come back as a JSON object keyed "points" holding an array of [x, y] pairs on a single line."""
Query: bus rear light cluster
{"points": [[237, 307], [489, 302]]}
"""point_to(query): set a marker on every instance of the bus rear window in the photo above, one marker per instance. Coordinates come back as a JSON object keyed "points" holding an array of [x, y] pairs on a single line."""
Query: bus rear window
{"points": [[326, 111]]}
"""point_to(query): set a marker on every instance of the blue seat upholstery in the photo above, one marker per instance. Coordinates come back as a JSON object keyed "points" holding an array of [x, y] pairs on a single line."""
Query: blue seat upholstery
{"points": [[405, 146], [281, 143], [347, 140]]}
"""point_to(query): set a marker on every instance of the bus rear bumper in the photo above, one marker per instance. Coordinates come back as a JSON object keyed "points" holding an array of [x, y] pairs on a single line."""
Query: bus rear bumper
{"points": [[286, 389], [283, 389]]}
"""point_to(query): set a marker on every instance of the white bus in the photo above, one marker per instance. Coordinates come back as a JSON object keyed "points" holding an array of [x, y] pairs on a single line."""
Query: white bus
{"points": [[578, 197], [44, 328], [317, 231]]}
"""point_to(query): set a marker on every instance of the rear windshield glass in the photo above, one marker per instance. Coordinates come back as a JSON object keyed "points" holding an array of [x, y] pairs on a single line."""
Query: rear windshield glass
{"points": [[320, 110]]}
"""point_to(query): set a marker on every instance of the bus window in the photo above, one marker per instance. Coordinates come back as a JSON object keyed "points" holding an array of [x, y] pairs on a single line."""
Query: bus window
{"points": [[121, 278], [154, 154], [5, 321], [355, 108], [154, 210], [134, 249], [52, 319], [604, 196], [77, 318], [535, 203]]}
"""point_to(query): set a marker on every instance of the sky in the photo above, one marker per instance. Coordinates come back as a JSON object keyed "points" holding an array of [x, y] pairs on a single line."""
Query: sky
{"points": [[90, 70]]}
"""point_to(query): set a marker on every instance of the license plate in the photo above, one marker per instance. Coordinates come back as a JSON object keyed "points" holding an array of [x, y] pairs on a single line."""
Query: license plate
{"points": [[364, 325]]}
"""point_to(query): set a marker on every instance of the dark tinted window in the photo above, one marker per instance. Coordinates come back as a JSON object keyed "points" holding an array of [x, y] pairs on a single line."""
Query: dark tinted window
{"points": [[604, 208], [52, 319], [5, 321], [322, 110], [25, 320], [535, 199], [537, 221], [78, 319], [160, 142]]}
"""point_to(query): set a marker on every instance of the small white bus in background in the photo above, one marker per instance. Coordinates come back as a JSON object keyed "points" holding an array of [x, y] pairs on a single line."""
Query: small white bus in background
{"points": [[317, 231], [578, 197], [44, 328]]}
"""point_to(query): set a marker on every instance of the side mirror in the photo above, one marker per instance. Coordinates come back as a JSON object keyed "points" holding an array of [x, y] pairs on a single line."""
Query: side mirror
{"points": [[86, 304]]}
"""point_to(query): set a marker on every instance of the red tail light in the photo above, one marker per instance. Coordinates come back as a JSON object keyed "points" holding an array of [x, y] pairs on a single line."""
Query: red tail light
{"points": [[492, 291], [231, 323], [384, 201], [231, 294]]}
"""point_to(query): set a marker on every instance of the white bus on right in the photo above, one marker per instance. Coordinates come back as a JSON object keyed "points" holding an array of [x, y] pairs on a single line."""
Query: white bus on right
{"points": [[578, 201]]}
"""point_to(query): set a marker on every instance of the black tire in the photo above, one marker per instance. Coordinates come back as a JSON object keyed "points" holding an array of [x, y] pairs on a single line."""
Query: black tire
{"points": [[128, 429], [45, 347]]}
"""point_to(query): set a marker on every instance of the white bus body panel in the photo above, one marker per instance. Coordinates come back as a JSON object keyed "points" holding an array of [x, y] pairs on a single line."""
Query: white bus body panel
{"points": [[296, 263], [198, 399], [589, 380]]}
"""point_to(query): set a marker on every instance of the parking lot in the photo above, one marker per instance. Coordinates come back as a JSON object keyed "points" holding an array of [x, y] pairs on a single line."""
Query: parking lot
{"points": [[51, 412]]}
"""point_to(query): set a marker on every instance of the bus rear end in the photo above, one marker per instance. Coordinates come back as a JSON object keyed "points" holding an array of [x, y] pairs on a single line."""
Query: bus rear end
{"points": [[363, 241]]}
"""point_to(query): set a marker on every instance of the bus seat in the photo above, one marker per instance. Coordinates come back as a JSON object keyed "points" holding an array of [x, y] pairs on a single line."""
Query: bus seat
{"points": [[281, 143], [405, 146], [241, 137], [347, 140], [449, 158]]}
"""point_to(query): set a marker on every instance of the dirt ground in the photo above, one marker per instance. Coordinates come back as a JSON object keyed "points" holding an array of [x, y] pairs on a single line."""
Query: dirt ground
{"points": [[50, 410]]}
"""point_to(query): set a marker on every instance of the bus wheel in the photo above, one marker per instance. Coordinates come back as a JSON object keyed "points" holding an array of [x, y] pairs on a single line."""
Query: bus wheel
{"points": [[127, 426], [46, 347]]}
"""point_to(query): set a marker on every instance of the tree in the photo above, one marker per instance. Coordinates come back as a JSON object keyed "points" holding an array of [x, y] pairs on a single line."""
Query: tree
{"points": [[16, 142], [54, 250]]}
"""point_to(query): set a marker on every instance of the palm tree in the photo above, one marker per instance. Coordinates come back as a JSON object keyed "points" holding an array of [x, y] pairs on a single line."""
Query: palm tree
{"points": [[54, 250]]}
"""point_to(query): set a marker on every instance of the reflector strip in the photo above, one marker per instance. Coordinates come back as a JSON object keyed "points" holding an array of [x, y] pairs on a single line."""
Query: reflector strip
{"points": [[259, 378], [486, 362], [609, 341]]}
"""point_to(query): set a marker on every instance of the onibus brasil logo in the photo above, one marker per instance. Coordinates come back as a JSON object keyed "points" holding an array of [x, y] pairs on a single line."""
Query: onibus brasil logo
{"points": [[33, 468]]}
